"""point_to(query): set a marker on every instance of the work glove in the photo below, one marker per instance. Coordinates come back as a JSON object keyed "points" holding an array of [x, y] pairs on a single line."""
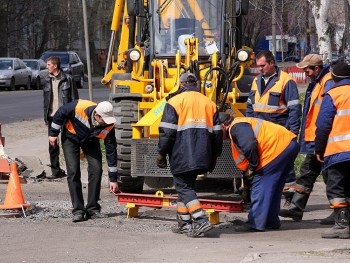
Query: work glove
{"points": [[161, 161], [212, 165]]}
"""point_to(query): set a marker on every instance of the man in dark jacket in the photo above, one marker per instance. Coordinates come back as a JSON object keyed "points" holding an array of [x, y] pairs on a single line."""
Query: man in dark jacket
{"points": [[190, 134], [332, 148], [310, 169], [59, 89], [83, 124]]}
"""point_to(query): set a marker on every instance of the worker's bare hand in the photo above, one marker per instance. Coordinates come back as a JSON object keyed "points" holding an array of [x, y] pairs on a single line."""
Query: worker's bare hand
{"points": [[53, 141], [114, 187]]}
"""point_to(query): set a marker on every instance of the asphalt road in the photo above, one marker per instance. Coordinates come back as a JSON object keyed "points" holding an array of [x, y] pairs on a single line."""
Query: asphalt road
{"points": [[47, 234], [24, 105]]}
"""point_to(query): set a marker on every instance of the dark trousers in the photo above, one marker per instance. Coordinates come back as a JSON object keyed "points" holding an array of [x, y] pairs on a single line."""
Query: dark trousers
{"points": [[185, 188], [93, 155], [266, 190], [310, 169], [54, 153], [338, 184]]}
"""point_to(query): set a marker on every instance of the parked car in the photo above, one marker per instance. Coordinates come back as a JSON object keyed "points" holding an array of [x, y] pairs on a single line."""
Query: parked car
{"points": [[14, 74], [39, 72], [70, 63]]}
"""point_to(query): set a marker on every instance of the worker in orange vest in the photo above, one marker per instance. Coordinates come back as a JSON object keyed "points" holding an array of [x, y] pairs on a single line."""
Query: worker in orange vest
{"points": [[265, 152], [332, 148], [320, 82], [274, 97]]}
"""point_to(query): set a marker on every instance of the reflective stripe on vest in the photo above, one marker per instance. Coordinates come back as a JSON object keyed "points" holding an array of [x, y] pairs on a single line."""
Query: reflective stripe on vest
{"points": [[104, 132], [193, 117], [261, 103], [314, 108], [237, 155], [80, 115], [83, 118], [339, 137], [272, 140]]}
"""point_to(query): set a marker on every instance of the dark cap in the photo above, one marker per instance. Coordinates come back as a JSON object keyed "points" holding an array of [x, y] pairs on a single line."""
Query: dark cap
{"points": [[188, 77], [225, 118], [341, 70]]}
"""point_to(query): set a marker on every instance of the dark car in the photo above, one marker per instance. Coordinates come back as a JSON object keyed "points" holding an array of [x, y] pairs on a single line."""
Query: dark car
{"points": [[39, 72], [70, 63]]}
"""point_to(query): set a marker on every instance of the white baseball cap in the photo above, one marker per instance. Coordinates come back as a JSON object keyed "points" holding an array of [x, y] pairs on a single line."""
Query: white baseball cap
{"points": [[105, 110]]}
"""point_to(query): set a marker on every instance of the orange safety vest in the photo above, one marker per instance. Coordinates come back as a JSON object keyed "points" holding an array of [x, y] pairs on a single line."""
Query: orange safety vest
{"points": [[272, 139], [339, 137], [83, 118], [194, 117], [314, 108], [261, 103]]}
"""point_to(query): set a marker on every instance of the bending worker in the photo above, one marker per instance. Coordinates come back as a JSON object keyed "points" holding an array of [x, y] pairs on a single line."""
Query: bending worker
{"points": [[83, 124], [265, 152], [274, 97]]}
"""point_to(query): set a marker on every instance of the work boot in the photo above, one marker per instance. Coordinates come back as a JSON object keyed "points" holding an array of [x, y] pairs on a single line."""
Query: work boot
{"points": [[200, 228], [288, 196], [341, 225], [183, 229], [78, 217], [329, 220], [296, 208], [183, 226]]}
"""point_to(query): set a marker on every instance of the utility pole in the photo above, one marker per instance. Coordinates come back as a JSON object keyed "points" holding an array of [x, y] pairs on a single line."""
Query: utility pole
{"points": [[87, 47]]}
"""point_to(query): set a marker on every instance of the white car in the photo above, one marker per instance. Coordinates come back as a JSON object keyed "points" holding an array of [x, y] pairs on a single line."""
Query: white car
{"points": [[39, 72], [14, 74]]}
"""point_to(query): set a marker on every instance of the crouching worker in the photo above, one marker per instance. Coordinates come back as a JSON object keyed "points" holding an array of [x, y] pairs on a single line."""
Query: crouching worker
{"points": [[83, 124], [190, 134], [265, 152]]}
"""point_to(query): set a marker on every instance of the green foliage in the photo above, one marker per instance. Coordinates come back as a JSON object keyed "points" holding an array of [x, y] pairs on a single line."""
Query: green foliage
{"points": [[301, 157]]}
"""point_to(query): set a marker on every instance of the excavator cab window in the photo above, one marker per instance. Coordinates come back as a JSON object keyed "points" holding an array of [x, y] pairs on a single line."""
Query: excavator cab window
{"points": [[177, 20]]}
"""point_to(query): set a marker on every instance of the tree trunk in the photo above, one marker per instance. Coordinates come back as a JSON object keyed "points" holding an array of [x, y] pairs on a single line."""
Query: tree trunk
{"points": [[319, 10]]}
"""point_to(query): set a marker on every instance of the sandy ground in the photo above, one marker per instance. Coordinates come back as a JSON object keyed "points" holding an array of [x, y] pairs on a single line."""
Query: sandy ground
{"points": [[47, 234]]}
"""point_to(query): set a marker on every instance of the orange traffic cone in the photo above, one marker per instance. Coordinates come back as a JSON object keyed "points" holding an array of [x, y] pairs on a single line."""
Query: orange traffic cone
{"points": [[14, 197]]}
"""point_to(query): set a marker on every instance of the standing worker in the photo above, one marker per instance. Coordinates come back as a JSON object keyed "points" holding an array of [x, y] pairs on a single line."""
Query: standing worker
{"points": [[332, 148], [59, 89], [83, 124], [265, 152], [102, 60], [310, 169], [190, 134], [274, 97]]}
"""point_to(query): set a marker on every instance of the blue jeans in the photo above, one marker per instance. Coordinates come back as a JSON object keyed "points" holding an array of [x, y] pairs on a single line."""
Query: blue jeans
{"points": [[92, 150]]}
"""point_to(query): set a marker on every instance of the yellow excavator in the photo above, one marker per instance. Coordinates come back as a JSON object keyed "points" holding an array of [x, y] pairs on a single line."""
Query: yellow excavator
{"points": [[152, 43]]}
